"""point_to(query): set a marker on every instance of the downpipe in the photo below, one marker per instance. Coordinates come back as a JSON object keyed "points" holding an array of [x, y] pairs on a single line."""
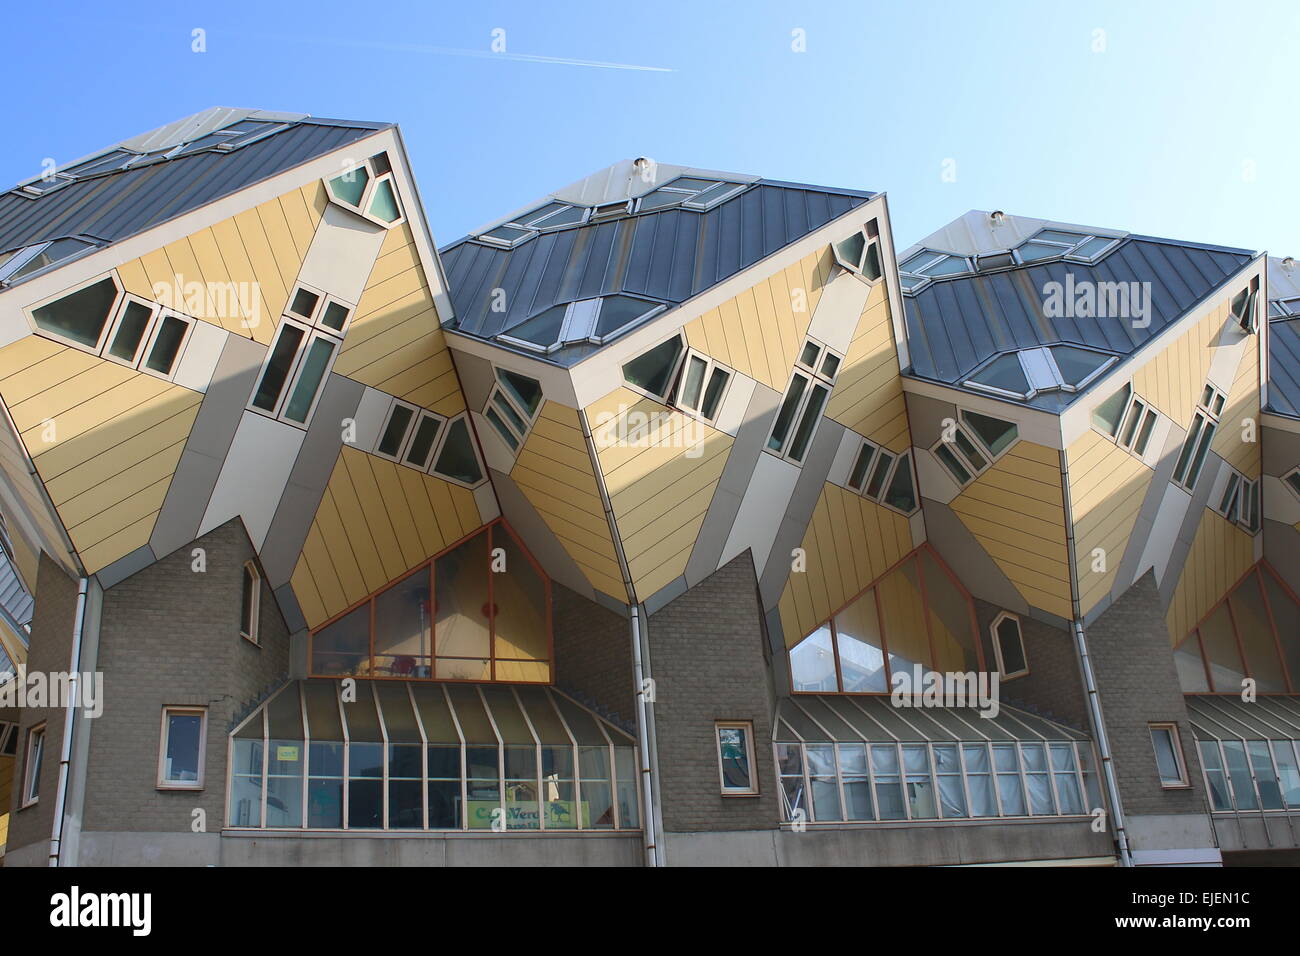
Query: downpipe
{"points": [[69, 717]]}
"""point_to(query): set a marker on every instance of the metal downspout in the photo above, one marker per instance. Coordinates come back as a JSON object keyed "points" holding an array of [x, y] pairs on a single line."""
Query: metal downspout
{"points": [[644, 719], [70, 714], [1089, 680]]}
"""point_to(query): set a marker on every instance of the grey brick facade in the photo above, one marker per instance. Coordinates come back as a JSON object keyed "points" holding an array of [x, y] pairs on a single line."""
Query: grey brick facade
{"points": [[1053, 687], [707, 659], [593, 656]]}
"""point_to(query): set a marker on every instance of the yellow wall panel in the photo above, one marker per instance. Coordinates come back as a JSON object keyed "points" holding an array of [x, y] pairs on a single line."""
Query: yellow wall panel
{"points": [[1107, 488], [868, 394], [760, 331], [1173, 379], [376, 521], [1221, 553], [849, 543], [555, 473], [1023, 533], [1240, 418]]}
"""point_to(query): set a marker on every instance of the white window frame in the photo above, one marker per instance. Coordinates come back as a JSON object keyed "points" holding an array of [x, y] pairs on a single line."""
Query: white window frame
{"points": [[689, 193], [601, 212], [418, 415], [31, 793], [814, 377], [1248, 317], [374, 177], [506, 422], [747, 726], [313, 328], [977, 442], [1068, 250], [1212, 403], [997, 645], [869, 241], [678, 363], [919, 280], [1292, 481], [581, 317], [255, 604], [296, 373], [1239, 501], [860, 487], [65, 340], [151, 336], [1176, 744], [1136, 411], [710, 365], [1041, 372], [162, 782]]}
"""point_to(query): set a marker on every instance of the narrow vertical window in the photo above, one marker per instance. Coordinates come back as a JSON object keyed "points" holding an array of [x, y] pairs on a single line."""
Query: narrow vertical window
{"points": [[1169, 755], [1009, 646], [32, 765], [736, 758], [250, 597]]}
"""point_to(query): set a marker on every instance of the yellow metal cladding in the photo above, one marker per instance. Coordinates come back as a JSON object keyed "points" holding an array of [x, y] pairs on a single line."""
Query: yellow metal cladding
{"points": [[1172, 380], [1107, 488], [1221, 553], [555, 473], [660, 469], [376, 521], [849, 543], [395, 342], [759, 332], [105, 440], [1017, 513], [14, 465], [243, 268], [1237, 439], [6, 795], [868, 395]]}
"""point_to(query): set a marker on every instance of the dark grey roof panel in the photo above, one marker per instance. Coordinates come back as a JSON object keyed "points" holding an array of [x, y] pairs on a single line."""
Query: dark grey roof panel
{"points": [[955, 325], [1284, 367], [124, 203], [670, 255]]}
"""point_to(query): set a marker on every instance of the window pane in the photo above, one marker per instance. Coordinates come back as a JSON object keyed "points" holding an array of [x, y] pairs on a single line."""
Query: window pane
{"points": [[789, 405], [1226, 670], [1010, 646], [335, 317], [350, 186], [130, 331], [1144, 435], [461, 580], [652, 370], [278, 367], [403, 634], [1076, 364], [859, 472], [967, 448], [542, 329], [812, 663], [502, 428], [1286, 615], [507, 412], [304, 303], [426, 433], [1004, 373], [247, 592], [1191, 668], [309, 379], [80, 316], [519, 597], [952, 463], [343, 648], [811, 414], [1257, 636], [617, 311], [166, 345], [1215, 776], [1106, 416], [383, 205], [1270, 796], [850, 250], [994, 433], [713, 393], [862, 661], [457, 458], [527, 392], [902, 494], [1243, 790], [1288, 771], [733, 750], [181, 760], [693, 383], [395, 431]]}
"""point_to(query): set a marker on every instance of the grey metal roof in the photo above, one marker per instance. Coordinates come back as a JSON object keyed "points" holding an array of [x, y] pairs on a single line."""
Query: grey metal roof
{"points": [[1284, 366], [955, 325], [120, 204], [1228, 717], [670, 255]]}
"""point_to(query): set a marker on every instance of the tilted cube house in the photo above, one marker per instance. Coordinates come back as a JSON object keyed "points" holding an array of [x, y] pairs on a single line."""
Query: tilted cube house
{"points": [[675, 518]]}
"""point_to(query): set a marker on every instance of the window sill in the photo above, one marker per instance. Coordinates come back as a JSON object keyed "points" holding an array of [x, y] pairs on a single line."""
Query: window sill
{"points": [[734, 794], [177, 787], [256, 643], [1175, 786]]}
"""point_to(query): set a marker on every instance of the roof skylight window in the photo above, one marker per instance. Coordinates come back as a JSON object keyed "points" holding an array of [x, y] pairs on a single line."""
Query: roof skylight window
{"points": [[1051, 243], [229, 138], [689, 191], [1024, 374], [929, 264], [552, 215], [595, 321], [32, 259]]}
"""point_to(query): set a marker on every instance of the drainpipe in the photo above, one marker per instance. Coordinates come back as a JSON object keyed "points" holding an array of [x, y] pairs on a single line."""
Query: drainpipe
{"points": [[70, 713], [650, 819], [1095, 718]]}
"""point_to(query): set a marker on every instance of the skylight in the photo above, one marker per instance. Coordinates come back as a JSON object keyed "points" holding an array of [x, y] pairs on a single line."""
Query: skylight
{"points": [[690, 192], [1028, 372], [919, 269], [1051, 243], [31, 259], [551, 215], [595, 321]]}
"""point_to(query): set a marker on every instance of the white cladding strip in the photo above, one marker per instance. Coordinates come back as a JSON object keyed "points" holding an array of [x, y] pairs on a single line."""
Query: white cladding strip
{"points": [[838, 310], [1164, 532], [254, 475], [761, 510], [199, 360], [342, 254]]}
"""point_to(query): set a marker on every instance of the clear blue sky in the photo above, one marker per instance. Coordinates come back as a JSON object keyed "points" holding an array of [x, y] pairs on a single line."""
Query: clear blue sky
{"points": [[1184, 125]]}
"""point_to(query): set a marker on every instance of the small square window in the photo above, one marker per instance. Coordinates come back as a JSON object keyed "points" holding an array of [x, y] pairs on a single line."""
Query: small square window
{"points": [[181, 748], [736, 758], [1169, 756]]}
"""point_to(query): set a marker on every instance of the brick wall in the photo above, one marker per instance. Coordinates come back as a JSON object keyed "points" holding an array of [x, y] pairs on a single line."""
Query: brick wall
{"points": [[593, 656], [706, 654], [1053, 687], [170, 636], [49, 650], [1137, 684]]}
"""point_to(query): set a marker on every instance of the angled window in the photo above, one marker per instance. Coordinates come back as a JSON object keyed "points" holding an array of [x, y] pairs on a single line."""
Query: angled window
{"points": [[805, 398], [586, 320], [512, 406], [900, 493], [918, 269], [300, 357], [1127, 420], [230, 137], [736, 772], [1169, 755], [181, 748], [1197, 443], [32, 766], [654, 371], [1292, 481], [457, 459], [610, 210], [1053, 243], [1025, 373], [1003, 376], [541, 332], [861, 466], [993, 433], [80, 318], [701, 386], [1240, 502], [1008, 645], [1106, 417], [972, 446], [32, 259], [860, 252], [1244, 308], [691, 192], [410, 435], [369, 190]]}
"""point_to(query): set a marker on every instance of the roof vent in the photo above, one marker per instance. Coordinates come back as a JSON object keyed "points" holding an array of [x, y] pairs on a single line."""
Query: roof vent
{"points": [[997, 217], [1288, 263]]}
